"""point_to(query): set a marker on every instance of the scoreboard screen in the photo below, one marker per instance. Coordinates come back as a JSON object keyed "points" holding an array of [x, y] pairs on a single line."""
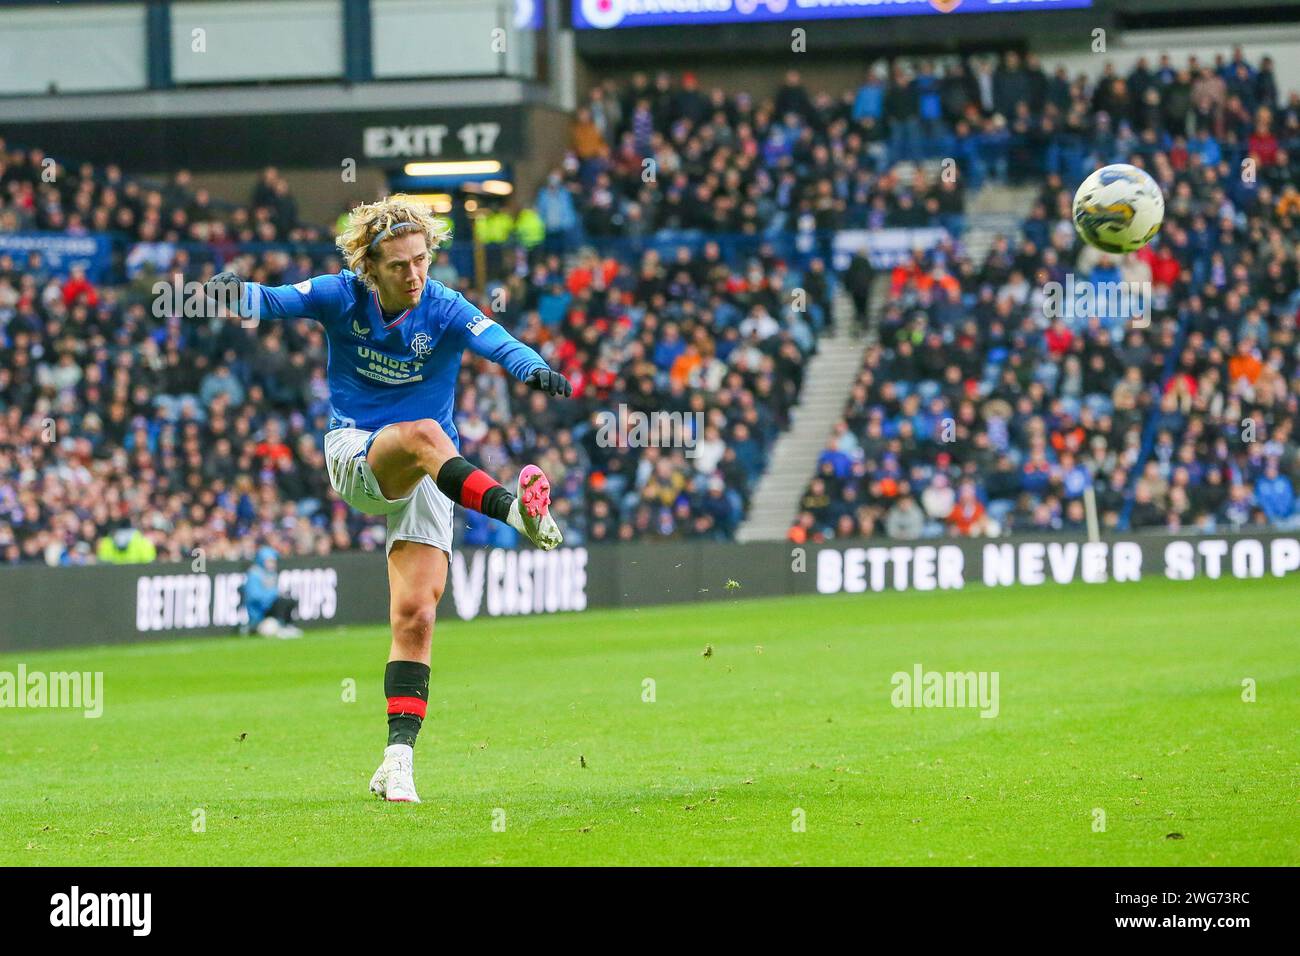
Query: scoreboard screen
{"points": [[612, 14]]}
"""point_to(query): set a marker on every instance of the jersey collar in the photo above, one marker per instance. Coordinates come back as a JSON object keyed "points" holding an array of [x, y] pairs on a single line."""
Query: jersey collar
{"points": [[380, 309]]}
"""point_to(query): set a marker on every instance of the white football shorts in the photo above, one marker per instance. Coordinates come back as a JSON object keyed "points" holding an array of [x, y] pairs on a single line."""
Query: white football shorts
{"points": [[424, 515]]}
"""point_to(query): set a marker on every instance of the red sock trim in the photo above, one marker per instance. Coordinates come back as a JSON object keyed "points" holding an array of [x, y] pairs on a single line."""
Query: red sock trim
{"points": [[407, 705], [475, 486]]}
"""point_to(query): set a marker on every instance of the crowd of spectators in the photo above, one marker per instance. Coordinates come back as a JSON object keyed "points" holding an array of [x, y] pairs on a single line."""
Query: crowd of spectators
{"points": [[666, 158], [128, 435], [37, 193], [987, 408]]}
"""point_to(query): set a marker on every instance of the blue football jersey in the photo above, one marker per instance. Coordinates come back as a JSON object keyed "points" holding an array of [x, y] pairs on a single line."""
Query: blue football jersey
{"points": [[402, 369]]}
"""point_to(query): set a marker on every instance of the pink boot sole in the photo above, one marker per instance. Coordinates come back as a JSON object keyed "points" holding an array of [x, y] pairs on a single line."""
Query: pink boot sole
{"points": [[534, 491]]}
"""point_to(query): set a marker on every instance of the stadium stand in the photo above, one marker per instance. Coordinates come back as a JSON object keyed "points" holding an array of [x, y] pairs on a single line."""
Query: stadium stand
{"points": [[667, 287], [981, 412]]}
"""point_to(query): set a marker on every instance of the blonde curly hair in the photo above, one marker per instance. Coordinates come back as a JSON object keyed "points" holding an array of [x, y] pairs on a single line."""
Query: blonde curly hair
{"points": [[372, 222]]}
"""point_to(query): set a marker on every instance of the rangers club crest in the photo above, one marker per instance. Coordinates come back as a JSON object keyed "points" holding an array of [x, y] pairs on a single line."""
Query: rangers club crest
{"points": [[421, 344]]}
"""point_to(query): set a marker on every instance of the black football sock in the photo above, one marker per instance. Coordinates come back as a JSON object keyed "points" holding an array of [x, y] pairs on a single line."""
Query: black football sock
{"points": [[406, 685], [474, 488]]}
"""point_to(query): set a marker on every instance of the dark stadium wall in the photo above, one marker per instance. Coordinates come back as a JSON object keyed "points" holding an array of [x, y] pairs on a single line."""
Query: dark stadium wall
{"points": [[240, 142], [105, 604], [547, 133]]}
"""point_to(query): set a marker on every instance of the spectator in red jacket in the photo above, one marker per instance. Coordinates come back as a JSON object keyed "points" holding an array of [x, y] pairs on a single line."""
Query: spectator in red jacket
{"points": [[1164, 267], [272, 449], [78, 287], [1262, 143], [1059, 338]]}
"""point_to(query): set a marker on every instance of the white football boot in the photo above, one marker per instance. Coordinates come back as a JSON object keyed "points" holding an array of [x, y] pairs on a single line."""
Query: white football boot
{"points": [[530, 512], [394, 781]]}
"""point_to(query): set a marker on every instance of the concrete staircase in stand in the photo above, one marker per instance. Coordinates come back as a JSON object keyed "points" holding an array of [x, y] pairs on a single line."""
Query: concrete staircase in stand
{"points": [[826, 384], [995, 210]]}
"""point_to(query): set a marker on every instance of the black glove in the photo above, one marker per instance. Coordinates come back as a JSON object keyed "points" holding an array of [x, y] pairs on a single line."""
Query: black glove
{"points": [[225, 287], [224, 284], [549, 381]]}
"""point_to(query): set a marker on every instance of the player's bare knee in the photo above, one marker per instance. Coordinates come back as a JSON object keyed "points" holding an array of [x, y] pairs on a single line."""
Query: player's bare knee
{"points": [[413, 620], [429, 443]]}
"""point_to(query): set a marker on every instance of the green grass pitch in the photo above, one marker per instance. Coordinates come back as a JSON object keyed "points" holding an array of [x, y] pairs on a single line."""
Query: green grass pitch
{"points": [[1123, 698]]}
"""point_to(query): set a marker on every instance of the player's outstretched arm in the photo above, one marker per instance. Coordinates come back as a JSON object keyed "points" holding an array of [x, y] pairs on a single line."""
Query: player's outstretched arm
{"points": [[484, 337], [254, 300]]}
